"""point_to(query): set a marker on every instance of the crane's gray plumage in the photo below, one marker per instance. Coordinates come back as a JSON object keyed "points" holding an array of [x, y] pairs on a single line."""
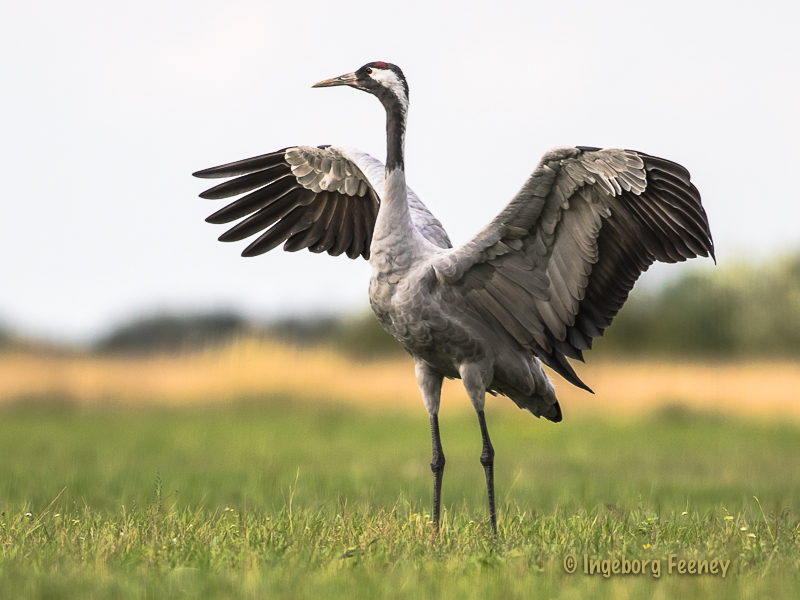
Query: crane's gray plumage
{"points": [[537, 285]]}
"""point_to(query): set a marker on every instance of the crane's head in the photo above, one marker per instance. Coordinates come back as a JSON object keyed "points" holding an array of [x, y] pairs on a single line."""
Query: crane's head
{"points": [[383, 80]]}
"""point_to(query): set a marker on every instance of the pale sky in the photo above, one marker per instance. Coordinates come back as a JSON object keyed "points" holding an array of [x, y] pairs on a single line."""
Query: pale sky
{"points": [[107, 108]]}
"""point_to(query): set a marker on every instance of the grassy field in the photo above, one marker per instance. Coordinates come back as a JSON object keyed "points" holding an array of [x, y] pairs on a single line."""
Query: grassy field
{"points": [[283, 498]]}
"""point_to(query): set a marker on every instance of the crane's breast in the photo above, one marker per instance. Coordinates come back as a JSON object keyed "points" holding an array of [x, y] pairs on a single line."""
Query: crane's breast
{"points": [[412, 312]]}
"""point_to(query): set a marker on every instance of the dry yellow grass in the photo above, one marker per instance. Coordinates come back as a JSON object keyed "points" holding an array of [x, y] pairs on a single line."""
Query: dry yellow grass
{"points": [[248, 368]]}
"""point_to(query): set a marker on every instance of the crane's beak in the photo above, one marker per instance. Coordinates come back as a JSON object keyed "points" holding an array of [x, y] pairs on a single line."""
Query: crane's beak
{"points": [[349, 79]]}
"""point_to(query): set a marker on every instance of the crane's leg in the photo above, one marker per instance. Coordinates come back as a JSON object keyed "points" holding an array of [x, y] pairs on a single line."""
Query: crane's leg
{"points": [[437, 466], [476, 377], [430, 384], [487, 460]]}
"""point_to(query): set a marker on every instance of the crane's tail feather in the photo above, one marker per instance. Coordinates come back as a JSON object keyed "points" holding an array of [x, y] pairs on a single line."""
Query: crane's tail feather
{"points": [[539, 405]]}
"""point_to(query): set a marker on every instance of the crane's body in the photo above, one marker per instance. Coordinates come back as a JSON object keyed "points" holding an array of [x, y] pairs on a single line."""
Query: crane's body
{"points": [[535, 286], [438, 328]]}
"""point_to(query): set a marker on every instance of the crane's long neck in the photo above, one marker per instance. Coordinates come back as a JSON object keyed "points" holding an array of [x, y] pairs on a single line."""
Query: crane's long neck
{"points": [[395, 135], [395, 237]]}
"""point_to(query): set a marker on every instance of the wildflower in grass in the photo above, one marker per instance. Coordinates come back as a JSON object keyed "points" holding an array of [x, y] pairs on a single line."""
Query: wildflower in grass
{"points": [[28, 515], [742, 528], [645, 546]]}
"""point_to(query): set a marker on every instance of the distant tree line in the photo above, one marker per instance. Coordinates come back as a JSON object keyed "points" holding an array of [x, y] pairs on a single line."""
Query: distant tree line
{"points": [[723, 311], [171, 332], [359, 335]]}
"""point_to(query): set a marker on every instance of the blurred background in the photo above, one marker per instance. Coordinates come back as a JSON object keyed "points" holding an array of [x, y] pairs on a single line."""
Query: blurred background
{"points": [[115, 290]]}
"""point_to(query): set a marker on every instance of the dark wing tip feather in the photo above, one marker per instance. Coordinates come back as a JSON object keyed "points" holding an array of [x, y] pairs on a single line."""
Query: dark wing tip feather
{"points": [[242, 167], [674, 179], [247, 183]]}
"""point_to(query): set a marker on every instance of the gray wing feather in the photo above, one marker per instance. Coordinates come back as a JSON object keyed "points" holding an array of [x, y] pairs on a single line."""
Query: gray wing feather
{"points": [[322, 198], [557, 264]]}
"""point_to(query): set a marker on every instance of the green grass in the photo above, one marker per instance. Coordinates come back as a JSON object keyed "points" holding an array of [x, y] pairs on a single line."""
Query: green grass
{"points": [[290, 500]]}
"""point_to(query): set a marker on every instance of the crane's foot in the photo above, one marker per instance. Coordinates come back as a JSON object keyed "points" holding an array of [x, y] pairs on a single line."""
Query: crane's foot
{"points": [[487, 460], [437, 466]]}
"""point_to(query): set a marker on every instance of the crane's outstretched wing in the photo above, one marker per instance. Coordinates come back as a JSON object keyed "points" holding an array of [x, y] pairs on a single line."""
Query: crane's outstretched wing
{"points": [[322, 198], [557, 264]]}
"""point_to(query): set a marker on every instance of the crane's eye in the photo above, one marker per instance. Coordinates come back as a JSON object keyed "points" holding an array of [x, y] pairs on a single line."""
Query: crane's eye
{"points": [[370, 70]]}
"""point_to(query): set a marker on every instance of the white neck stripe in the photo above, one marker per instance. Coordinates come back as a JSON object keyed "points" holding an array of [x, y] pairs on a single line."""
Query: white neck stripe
{"points": [[389, 79]]}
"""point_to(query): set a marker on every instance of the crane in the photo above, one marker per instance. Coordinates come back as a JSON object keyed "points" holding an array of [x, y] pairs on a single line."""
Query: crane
{"points": [[533, 287]]}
